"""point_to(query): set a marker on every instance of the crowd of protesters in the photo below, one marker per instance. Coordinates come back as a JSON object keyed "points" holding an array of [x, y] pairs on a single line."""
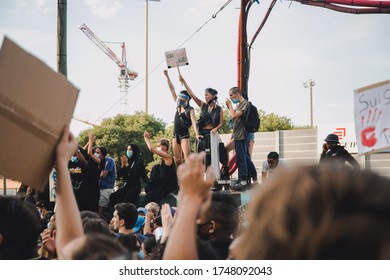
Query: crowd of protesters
{"points": [[324, 211]]}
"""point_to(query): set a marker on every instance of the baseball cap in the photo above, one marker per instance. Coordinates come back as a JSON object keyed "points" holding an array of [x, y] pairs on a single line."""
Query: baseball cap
{"points": [[139, 223]]}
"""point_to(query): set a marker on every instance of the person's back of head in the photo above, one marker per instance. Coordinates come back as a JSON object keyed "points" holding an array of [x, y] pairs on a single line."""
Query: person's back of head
{"points": [[127, 212], [130, 242], [19, 229], [319, 212], [88, 214], [223, 212], [96, 225], [98, 246]]}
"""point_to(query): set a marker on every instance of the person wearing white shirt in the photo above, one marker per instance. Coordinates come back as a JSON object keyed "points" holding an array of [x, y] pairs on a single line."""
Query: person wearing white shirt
{"points": [[272, 165]]}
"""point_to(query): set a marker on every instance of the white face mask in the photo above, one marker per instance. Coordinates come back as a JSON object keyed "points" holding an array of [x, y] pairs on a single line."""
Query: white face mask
{"points": [[96, 155], [159, 148]]}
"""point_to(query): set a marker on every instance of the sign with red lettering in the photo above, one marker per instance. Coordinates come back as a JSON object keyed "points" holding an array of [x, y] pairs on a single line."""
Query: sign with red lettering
{"points": [[345, 132], [372, 117]]}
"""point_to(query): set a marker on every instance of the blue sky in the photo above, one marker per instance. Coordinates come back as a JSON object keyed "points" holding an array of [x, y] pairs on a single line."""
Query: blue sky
{"points": [[341, 52]]}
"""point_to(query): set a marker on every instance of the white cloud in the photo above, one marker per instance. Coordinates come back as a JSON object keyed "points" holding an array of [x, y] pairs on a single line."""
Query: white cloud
{"points": [[44, 5], [37, 6], [104, 8]]}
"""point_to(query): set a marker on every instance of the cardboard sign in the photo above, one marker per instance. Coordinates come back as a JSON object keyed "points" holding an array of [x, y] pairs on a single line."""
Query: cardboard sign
{"points": [[372, 117], [35, 104], [176, 58]]}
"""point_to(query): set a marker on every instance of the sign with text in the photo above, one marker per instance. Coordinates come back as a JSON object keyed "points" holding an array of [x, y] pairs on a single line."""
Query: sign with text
{"points": [[176, 58], [372, 117], [345, 132]]}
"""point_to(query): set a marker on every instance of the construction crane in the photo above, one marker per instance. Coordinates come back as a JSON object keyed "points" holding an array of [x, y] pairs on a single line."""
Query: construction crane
{"points": [[125, 73], [84, 121]]}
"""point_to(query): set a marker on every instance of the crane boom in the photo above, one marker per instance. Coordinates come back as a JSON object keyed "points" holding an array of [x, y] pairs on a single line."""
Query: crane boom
{"points": [[84, 121], [121, 63]]}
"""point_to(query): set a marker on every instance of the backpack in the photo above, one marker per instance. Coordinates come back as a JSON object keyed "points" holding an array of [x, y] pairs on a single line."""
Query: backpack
{"points": [[252, 120]]}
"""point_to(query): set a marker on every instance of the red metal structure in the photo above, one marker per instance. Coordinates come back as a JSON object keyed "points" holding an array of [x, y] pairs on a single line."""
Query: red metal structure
{"points": [[243, 48], [122, 63], [345, 6]]}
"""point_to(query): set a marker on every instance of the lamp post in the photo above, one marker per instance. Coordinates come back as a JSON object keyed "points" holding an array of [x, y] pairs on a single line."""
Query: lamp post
{"points": [[147, 52], [310, 84]]}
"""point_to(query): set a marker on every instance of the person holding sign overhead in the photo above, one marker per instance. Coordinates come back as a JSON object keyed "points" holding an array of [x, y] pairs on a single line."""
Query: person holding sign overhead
{"points": [[184, 118], [210, 119]]}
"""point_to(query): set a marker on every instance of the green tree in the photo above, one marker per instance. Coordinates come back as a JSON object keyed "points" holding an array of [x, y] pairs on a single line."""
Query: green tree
{"points": [[118, 132], [273, 122]]}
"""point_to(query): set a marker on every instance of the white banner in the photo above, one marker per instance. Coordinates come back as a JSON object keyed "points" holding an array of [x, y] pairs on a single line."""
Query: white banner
{"points": [[372, 117]]}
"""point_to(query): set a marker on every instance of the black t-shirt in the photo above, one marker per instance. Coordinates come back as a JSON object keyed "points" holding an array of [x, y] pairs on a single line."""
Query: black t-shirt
{"points": [[77, 171]]}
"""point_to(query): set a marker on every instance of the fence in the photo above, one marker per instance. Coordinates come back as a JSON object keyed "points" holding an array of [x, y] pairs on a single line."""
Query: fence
{"points": [[300, 147]]}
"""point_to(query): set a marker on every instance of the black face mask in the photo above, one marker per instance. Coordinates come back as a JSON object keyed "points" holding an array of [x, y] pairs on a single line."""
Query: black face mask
{"points": [[181, 102], [202, 230]]}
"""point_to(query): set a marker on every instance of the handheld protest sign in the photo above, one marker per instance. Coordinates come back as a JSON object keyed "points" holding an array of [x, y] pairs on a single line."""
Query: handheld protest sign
{"points": [[372, 117], [176, 58], [35, 104]]}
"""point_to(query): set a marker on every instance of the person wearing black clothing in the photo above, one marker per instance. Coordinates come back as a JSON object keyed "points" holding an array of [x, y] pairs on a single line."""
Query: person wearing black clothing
{"points": [[184, 118], [210, 119], [132, 170], [332, 152], [163, 177], [95, 165], [219, 223], [44, 213], [77, 167]]}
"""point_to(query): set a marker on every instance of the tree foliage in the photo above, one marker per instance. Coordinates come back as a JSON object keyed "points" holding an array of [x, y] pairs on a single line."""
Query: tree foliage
{"points": [[118, 132], [273, 122]]}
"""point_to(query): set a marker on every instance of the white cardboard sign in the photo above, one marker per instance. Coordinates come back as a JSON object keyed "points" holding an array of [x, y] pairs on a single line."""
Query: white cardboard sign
{"points": [[372, 117], [176, 58]]}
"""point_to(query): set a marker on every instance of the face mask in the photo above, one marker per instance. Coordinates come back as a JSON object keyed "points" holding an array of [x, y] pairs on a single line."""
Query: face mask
{"points": [[181, 102], [235, 101], [74, 159], [129, 154], [141, 254], [96, 155], [159, 148]]}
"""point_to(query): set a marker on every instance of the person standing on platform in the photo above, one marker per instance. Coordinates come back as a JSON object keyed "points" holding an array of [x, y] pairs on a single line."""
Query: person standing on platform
{"points": [[246, 168], [184, 119], [210, 119]]}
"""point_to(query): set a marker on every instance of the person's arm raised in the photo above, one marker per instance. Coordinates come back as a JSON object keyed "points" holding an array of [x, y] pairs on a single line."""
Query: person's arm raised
{"points": [[190, 92], [166, 156], [170, 85], [195, 193], [68, 220]]}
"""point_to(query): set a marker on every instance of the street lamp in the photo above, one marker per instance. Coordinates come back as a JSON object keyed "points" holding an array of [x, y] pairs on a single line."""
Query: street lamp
{"points": [[147, 53], [310, 83]]}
